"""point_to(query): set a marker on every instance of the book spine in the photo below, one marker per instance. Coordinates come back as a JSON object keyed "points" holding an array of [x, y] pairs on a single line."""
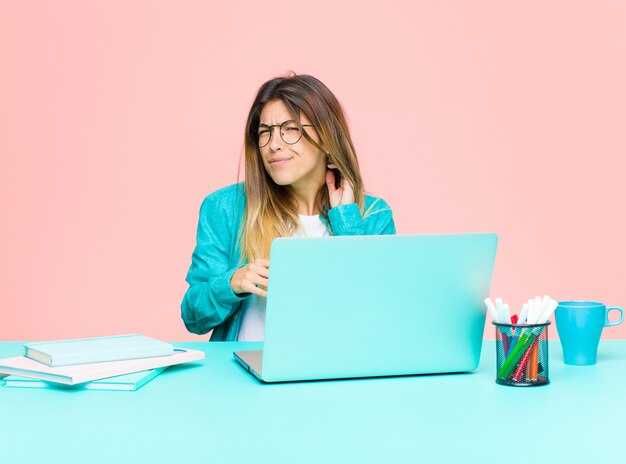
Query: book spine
{"points": [[106, 356], [38, 375]]}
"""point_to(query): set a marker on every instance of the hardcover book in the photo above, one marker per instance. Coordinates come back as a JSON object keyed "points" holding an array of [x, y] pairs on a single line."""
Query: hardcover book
{"points": [[126, 382], [73, 375], [101, 349]]}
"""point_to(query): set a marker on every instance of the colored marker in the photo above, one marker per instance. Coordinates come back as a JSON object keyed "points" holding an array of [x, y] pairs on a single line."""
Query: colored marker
{"points": [[515, 354], [515, 331], [517, 376], [534, 362]]}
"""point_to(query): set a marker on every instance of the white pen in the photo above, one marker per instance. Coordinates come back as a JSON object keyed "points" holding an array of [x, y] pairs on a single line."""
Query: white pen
{"points": [[506, 313], [492, 309], [500, 311], [547, 314], [524, 314], [530, 319], [537, 312], [542, 307]]}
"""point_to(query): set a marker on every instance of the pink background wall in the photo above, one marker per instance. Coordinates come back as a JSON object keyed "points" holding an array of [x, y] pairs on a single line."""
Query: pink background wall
{"points": [[117, 118]]}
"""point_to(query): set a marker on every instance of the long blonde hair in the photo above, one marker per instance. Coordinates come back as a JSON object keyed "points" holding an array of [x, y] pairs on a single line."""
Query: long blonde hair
{"points": [[270, 208]]}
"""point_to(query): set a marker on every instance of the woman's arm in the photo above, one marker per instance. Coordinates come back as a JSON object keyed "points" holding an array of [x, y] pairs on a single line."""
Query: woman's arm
{"points": [[210, 300], [376, 220]]}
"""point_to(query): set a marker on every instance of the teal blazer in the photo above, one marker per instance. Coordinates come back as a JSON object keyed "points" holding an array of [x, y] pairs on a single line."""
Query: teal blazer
{"points": [[210, 303]]}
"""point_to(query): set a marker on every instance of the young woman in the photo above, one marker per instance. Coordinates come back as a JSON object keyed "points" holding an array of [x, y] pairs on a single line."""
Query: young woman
{"points": [[301, 179]]}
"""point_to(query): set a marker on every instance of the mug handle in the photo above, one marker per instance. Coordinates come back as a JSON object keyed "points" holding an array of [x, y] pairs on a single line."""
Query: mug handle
{"points": [[608, 323]]}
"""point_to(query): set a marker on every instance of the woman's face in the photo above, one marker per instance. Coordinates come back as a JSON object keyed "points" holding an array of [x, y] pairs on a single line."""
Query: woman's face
{"points": [[300, 165]]}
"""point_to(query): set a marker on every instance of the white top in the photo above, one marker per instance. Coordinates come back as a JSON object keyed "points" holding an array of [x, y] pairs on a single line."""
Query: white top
{"points": [[252, 327]]}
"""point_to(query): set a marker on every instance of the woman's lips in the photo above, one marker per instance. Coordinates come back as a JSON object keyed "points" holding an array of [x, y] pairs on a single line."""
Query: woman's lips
{"points": [[279, 161]]}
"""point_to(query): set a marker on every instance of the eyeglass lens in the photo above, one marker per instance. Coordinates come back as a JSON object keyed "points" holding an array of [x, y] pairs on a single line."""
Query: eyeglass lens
{"points": [[290, 132]]}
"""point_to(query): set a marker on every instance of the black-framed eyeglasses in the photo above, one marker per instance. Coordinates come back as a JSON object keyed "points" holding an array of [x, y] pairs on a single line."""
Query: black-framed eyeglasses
{"points": [[290, 131]]}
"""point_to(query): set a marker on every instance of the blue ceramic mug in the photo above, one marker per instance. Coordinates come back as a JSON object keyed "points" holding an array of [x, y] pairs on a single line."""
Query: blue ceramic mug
{"points": [[580, 324]]}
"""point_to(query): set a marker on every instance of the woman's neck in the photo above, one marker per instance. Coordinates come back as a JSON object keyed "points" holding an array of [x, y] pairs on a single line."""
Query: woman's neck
{"points": [[308, 199]]}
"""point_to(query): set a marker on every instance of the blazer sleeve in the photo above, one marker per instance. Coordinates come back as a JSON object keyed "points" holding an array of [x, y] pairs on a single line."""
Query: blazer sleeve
{"points": [[210, 300], [377, 219]]}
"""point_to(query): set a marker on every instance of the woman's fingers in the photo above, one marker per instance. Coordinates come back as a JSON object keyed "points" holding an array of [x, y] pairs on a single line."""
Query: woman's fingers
{"points": [[342, 195], [258, 280], [330, 182], [249, 287], [348, 192], [260, 267], [251, 278]]}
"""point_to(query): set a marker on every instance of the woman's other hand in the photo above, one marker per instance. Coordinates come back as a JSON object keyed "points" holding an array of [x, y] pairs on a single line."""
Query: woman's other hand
{"points": [[251, 278], [338, 196]]}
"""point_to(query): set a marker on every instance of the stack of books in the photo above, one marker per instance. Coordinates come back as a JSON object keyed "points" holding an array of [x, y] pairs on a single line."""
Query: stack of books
{"points": [[124, 362]]}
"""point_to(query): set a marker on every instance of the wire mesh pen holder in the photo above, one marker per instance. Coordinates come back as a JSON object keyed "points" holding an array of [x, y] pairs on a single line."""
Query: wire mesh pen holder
{"points": [[522, 354]]}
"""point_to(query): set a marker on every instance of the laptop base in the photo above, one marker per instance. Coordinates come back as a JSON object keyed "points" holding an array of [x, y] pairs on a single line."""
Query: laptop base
{"points": [[251, 360]]}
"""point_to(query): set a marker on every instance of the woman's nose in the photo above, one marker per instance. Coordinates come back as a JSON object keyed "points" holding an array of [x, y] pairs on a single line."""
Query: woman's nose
{"points": [[276, 141]]}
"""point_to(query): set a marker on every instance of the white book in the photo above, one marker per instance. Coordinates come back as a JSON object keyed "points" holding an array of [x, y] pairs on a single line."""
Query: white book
{"points": [[75, 374], [99, 349], [126, 382]]}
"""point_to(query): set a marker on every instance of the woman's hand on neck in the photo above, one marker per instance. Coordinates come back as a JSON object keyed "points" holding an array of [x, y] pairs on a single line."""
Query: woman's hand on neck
{"points": [[341, 195]]}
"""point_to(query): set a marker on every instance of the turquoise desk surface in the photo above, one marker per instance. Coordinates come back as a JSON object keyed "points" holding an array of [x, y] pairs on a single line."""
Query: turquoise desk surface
{"points": [[215, 412]]}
